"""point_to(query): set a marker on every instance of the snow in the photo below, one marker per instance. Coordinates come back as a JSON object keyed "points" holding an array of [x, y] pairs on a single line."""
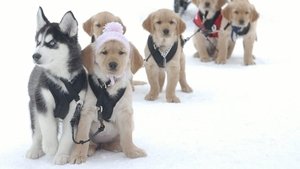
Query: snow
{"points": [[238, 117]]}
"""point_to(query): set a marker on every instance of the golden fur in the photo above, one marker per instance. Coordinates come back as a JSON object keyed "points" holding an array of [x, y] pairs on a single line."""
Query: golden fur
{"points": [[117, 135], [205, 51], [155, 24], [94, 27], [237, 13]]}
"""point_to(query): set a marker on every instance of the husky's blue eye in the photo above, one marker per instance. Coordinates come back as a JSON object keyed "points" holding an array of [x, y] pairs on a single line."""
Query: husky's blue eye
{"points": [[52, 43]]}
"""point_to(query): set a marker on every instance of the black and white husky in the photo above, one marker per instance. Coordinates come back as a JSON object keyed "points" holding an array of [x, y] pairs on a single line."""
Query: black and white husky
{"points": [[56, 86]]}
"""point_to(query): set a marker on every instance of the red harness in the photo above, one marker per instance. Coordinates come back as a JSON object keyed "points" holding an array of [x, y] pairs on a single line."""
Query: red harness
{"points": [[209, 25]]}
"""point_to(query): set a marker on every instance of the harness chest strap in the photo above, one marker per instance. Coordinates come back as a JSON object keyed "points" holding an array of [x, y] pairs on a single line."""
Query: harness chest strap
{"points": [[63, 99], [158, 57], [105, 102], [208, 26]]}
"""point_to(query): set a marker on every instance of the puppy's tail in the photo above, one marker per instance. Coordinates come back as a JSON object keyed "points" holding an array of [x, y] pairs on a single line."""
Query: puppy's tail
{"points": [[137, 82]]}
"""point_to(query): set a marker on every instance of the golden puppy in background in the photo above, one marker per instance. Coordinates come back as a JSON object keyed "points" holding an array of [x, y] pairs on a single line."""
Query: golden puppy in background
{"points": [[94, 27], [108, 102], [164, 53], [240, 20], [208, 19]]}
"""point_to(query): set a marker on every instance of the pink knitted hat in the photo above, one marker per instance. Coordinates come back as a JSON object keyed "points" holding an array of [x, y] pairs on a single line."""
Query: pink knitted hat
{"points": [[112, 31]]}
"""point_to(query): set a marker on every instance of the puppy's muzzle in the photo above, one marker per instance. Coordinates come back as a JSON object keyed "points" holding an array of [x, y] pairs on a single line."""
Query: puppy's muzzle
{"points": [[36, 57], [166, 32], [241, 21], [113, 65]]}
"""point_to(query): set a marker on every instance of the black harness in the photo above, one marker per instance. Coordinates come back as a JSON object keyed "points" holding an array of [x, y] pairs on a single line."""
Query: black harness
{"points": [[105, 102], [63, 99], [238, 31], [160, 60]]}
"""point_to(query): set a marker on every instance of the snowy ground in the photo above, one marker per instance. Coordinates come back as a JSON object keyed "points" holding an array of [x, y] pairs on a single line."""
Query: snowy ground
{"points": [[238, 117]]}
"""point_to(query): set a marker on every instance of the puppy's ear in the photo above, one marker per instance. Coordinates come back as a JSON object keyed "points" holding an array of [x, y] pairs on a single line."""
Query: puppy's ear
{"points": [[136, 59], [69, 24], [88, 57], [120, 21], [181, 26], [147, 24], [41, 19], [87, 27], [226, 12], [254, 14], [220, 3]]}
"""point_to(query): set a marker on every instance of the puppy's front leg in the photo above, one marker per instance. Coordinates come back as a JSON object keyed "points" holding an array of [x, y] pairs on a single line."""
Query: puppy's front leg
{"points": [[173, 72], [222, 47], [80, 152], [152, 72], [248, 47], [125, 126]]}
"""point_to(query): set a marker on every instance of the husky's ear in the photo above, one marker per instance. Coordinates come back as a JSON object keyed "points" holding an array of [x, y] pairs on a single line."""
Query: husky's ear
{"points": [[41, 19], [68, 24]]}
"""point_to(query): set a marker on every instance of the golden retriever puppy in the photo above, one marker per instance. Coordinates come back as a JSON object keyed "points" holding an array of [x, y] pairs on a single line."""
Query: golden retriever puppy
{"points": [[108, 102], [94, 27], [164, 53], [208, 19], [240, 19]]}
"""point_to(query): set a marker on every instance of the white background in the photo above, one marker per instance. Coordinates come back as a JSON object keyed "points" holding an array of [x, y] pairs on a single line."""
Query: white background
{"points": [[238, 117]]}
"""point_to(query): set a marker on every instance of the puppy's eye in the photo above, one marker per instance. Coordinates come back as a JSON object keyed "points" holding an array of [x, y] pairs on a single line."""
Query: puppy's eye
{"points": [[236, 12], [52, 43], [172, 22], [98, 25], [121, 52], [158, 22], [104, 52], [247, 12]]}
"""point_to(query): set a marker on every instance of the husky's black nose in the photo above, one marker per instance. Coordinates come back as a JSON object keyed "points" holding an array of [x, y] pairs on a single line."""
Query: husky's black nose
{"points": [[36, 56], [112, 65]]}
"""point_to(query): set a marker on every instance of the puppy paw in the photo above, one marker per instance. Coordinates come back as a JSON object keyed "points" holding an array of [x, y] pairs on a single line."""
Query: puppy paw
{"points": [[173, 99], [78, 158], [50, 147], [187, 89], [220, 61], [150, 97], [92, 149], [34, 153], [61, 159], [249, 62], [205, 59], [135, 152]]}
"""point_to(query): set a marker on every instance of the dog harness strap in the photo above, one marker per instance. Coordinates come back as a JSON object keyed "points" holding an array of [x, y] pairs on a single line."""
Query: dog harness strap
{"points": [[159, 59], [63, 99], [104, 100], [210, 25], [238, 31]]}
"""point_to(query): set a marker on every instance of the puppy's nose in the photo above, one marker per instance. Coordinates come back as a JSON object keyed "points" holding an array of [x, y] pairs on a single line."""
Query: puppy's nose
{"points": [[112, 65], [207, 4], [36, 56], [166, 31], [242, 22]]}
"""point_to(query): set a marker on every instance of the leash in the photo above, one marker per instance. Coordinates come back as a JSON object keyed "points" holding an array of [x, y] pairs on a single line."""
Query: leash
{"points": [[75, 121]]}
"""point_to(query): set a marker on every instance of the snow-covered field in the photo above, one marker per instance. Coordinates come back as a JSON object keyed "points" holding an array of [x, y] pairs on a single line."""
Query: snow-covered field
{"points": [[238, 117]]}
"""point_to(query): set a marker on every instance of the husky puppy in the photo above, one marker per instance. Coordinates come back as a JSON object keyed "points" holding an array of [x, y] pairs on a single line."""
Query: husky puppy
{"points": [[56, 87]]}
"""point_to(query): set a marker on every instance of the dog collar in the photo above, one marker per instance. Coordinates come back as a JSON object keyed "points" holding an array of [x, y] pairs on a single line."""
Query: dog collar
{"points": [[208, 26], [239, 31], [105, 102], [161, 60]]}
